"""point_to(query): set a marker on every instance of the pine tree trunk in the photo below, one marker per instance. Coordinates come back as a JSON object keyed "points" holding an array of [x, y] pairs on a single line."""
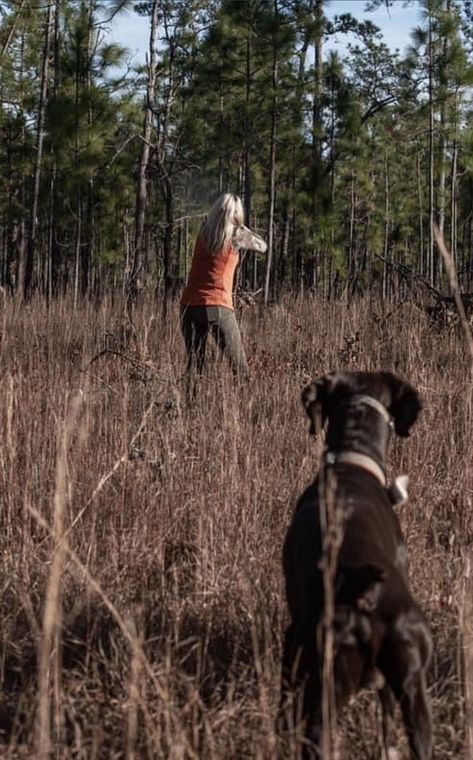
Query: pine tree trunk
{"points": [[431, 258], [168, 197], [53, 247], [77, 253], [443, 146], [247, 169], [21, 231], [221, 117], [272, 164], [142, 185], [422, 262], [285, 247], [248, 274], [453, 186], [295, 257], [453, 201], [351, 235], [386, 227], [469, 255], [317, 121], [318, 91], [88, 213], [30, 255]]}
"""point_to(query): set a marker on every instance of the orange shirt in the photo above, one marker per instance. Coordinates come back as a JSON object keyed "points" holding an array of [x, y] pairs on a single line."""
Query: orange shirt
{"points": [[210, 280]]}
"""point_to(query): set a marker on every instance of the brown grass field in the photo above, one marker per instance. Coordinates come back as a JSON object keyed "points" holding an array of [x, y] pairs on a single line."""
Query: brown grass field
{"points": [[153, 630]]}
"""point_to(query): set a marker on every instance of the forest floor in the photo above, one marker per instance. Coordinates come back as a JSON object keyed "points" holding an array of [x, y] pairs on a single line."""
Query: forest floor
{"points": [[155, 630]]}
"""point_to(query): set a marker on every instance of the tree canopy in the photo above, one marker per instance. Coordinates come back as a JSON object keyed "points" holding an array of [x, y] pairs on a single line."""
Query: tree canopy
{"points": [[343, 162]]}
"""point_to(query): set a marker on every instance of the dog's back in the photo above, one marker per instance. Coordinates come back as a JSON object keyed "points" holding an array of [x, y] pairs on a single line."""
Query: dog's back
{"points": [[371, 529]]}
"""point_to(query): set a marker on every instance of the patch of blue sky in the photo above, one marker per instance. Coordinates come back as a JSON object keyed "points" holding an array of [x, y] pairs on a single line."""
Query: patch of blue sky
{"points": [[396, 24]]}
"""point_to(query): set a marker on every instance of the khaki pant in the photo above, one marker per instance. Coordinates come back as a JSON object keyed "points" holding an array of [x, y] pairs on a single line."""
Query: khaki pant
{"points": [[196, 324]]}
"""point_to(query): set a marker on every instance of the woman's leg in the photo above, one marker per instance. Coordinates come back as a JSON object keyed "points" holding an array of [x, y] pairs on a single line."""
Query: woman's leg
{"points": [[226, 332], [194, 328]]}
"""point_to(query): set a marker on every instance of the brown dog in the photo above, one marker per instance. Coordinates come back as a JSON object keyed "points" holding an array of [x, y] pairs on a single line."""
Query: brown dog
{"points": [[380, 634]]}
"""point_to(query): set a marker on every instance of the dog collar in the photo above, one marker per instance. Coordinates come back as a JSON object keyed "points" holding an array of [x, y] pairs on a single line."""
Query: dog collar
{"points": [[359, 460], [374, 404]]}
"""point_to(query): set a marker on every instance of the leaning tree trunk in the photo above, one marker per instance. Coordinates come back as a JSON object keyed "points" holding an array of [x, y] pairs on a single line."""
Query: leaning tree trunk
{"points": [[16, 15], [142, 186], [30, 254]]}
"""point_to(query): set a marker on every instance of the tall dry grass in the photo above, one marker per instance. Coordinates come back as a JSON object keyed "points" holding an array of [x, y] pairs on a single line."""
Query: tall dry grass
{"points": [[156, 527]]}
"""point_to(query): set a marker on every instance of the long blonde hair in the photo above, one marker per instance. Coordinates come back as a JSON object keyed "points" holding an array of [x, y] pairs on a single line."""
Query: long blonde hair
{"points": [[224, 217]]}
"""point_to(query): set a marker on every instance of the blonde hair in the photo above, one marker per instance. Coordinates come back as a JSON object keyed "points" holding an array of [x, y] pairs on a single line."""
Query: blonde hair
{"points": [[224, 217]]}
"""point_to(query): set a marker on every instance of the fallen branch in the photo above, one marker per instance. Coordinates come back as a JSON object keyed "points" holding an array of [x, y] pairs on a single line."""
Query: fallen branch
{"points": [[121, 354], [407, 272]]}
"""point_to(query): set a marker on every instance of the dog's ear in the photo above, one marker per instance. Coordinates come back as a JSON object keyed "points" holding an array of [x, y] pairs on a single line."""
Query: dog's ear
{"points": [[405, 405], [314, 398]]}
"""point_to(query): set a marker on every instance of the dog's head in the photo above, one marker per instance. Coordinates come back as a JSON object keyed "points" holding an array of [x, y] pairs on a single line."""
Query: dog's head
{"points": [[398, 397]]}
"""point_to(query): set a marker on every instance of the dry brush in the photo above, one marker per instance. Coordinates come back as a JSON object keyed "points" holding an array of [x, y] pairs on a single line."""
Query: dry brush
{"points": [[152, 529]]}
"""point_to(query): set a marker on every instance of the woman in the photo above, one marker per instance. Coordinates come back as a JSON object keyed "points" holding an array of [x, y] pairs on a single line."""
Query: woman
{"points": [[206, 303]]}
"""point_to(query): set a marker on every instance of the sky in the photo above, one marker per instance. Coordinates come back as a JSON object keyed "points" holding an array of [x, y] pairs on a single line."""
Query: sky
{"points": [[132, 31]]}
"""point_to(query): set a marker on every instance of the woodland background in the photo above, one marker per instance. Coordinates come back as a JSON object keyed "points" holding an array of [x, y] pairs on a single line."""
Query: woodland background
{"points": [[343, 162], [141, 595]]}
